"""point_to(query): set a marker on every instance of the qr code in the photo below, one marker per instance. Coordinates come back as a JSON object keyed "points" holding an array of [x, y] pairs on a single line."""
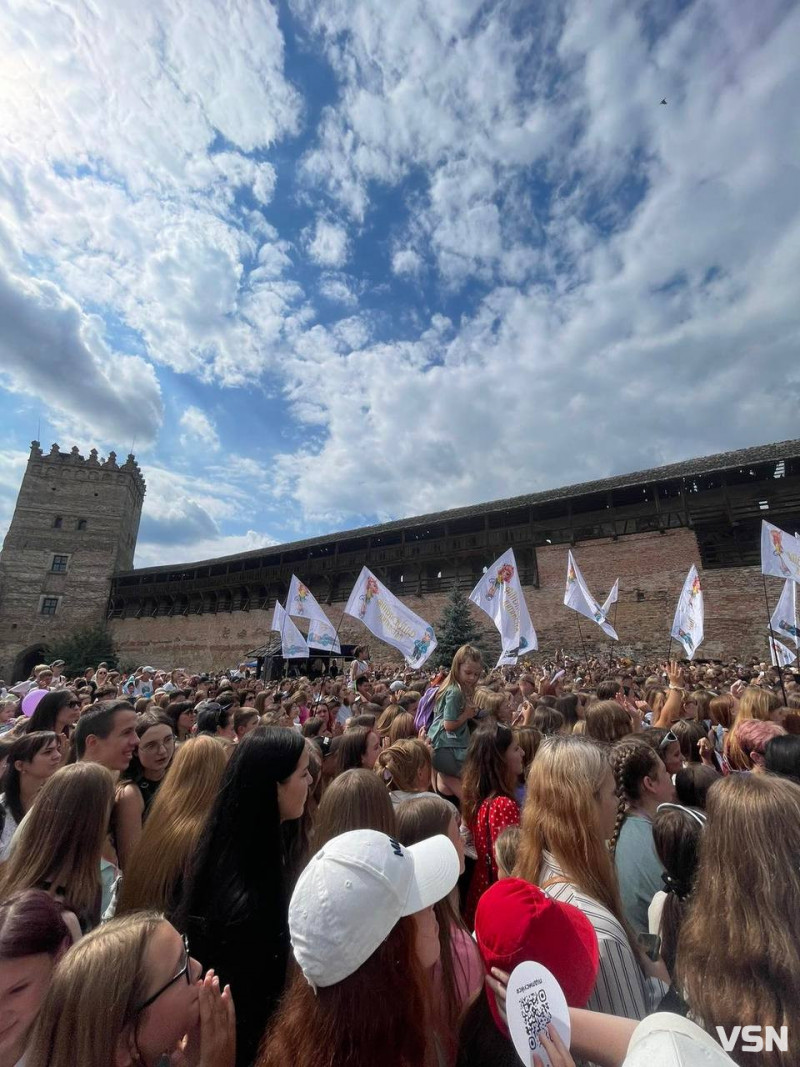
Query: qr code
{"points": [[535, 1014]]}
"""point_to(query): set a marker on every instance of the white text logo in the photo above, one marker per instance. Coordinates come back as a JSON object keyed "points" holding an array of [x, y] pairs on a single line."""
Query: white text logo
{"points": [[755, 1038]]}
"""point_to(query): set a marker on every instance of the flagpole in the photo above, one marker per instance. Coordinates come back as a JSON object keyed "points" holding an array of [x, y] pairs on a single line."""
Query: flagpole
{"points": [[583, 643], [773, 646], [613, 627]]}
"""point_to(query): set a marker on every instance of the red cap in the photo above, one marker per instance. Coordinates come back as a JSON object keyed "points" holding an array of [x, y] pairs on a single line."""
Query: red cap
{"points": [[516, 922]]}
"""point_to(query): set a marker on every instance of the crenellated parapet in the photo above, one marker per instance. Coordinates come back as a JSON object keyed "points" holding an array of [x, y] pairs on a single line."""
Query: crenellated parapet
{"points": [[73, 462]]}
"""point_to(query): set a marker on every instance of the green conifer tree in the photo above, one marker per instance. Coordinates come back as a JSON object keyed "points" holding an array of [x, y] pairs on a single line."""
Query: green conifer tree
{"points": [[457, 627]]}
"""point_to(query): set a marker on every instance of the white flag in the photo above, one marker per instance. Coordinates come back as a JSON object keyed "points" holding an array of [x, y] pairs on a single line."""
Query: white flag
{"points": [[578, 597], [784, 617], [780, 552], [390, 620], [499, 594], [780, 654], [507, 659], [612, 598], [687, 626], [293, 644], [301, 603]]}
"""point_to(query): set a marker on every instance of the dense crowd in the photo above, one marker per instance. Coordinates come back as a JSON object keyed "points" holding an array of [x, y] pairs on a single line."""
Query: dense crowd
{"points": [[202, 870]]}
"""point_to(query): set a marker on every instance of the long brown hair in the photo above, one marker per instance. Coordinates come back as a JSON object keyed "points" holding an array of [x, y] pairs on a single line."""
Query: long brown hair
{"points": [[61, 839], [463, 654], [560, 816], [417, 820], [106, 970], [607, 721], [486, 774], [355, 800], [747, 888], [171, 831], [632, 761], [368, 1018]]}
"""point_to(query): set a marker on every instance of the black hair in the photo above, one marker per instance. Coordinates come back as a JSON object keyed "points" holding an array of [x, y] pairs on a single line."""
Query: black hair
{"points": [[362, 680], [211, 716], [177, 708], [235, 905], [46, 711], [98, 722], [692, 784], [568, 706], [24, 748], [782, 756]]}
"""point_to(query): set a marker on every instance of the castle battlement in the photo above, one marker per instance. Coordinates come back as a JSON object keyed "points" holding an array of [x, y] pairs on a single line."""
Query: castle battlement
{"points": [[73, 461]]}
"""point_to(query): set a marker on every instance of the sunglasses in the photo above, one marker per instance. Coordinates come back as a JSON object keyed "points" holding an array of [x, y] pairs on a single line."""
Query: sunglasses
{"points": [[668, 739], [74, 704], [176, 978]]}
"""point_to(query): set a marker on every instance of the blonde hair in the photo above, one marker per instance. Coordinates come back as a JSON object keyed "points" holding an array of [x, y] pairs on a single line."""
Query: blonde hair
{"points": [[93, 995], [173, 827], [467, 653], [607, 721], [506, 848], [754, 703], [61, 839], [488, 700], [399, 764], [560, 816], [751, 907]]}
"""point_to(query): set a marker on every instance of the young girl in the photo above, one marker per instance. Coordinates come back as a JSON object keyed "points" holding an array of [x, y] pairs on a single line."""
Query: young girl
{"points": [[135, 977], [159, 861], [491, 771], [569, 815], [677, 832], [32, 759], [458, 974], [140, 781], [454, 707], [359, 747], [642, 784], [33, 937], [364, 937], [355, 800]]}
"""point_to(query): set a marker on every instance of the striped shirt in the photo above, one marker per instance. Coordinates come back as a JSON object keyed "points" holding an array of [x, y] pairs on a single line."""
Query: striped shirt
{"points": [[621, 987]]}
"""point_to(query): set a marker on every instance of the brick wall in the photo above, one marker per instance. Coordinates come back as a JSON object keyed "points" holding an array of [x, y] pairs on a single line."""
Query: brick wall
{"points": [[651, 569]]}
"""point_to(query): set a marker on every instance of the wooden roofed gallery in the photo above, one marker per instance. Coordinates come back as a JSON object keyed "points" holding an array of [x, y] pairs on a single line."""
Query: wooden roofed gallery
{"points": [[721, 498]]}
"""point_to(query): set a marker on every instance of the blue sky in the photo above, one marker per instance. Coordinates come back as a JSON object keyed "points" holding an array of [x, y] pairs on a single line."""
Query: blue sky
{"points": [[327, 262]]}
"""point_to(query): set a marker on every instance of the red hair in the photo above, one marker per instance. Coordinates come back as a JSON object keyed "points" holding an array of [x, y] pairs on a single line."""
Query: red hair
{"points": [[379, 1015]]}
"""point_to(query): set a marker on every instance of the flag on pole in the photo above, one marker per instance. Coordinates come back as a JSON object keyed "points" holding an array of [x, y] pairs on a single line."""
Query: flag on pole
{"points": [[784, 618], [780, 552], [578, 597], [687, 626], [301, 603], [612, 598], [499, 594], [293, 644], [780, 654], [389, 619]]}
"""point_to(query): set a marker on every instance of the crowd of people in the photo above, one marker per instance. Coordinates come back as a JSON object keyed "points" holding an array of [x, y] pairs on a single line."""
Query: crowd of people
{"points": [[209, 870]]}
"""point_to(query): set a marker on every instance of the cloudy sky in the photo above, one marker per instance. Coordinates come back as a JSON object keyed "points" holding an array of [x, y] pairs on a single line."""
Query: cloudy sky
{"points": [[326, 262]]}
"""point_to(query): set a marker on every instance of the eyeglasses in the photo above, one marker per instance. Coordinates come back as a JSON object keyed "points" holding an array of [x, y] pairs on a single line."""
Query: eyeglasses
{"points": [[74, 704], [153, 746], [668, 739], [183, 971]]}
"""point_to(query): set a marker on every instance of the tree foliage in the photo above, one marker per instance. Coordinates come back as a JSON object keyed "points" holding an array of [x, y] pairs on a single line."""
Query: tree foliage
{"points": [[457, 627], [84, 648]]}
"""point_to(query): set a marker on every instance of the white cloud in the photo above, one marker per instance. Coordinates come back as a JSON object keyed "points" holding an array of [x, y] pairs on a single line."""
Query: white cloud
{"points": [[329, 245], [199, 430], [406, 261], [337, 289], [155, 554]]}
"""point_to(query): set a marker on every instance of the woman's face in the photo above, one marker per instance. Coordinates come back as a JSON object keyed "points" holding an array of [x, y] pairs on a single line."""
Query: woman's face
{"points": [[46, 762], [607, 805], [101, 675], [156, 746], [227, 731], [186, 721], [514, 757], [293, 793], [661, 784], [68, 713], [373, 748], [673, 760], [689, 709], [23, 984], [249, 701], [175, 1012], [427, 940]]}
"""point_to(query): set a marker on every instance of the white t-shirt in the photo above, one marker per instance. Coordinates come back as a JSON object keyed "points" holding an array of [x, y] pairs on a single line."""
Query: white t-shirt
{"points": [[9, 828]]}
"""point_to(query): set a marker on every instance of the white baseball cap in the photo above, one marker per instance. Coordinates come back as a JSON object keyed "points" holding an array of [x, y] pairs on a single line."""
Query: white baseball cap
{"points": [[355, 890], [666, 1040]]}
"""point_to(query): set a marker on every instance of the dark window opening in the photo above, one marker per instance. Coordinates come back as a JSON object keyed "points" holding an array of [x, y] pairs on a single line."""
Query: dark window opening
{"points": [[58, 522], [59, 565], [81, 524], [49, 605]]}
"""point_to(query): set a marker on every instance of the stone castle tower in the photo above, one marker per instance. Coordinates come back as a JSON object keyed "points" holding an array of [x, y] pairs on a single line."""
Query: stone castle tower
{"points": [[75, 525]]}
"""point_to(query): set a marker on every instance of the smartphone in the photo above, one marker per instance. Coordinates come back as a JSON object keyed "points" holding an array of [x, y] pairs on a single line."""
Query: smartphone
{"points": [[651, 943]]}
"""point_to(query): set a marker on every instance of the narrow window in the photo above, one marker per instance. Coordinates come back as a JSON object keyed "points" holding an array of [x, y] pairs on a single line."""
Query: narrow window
{"points": [[81, 524], [60, 564], [57, 522], [49, 605]]}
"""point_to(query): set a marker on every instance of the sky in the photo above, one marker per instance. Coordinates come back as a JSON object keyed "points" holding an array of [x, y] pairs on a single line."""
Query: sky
{"points": [[323, 263]]}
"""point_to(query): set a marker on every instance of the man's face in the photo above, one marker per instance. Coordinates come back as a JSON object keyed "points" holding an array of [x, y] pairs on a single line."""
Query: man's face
{"points": [[116, 750]]}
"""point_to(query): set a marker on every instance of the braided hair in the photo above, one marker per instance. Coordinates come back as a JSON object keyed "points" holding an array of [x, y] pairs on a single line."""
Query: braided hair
{"points": [[677, 832], [631, 760]]}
